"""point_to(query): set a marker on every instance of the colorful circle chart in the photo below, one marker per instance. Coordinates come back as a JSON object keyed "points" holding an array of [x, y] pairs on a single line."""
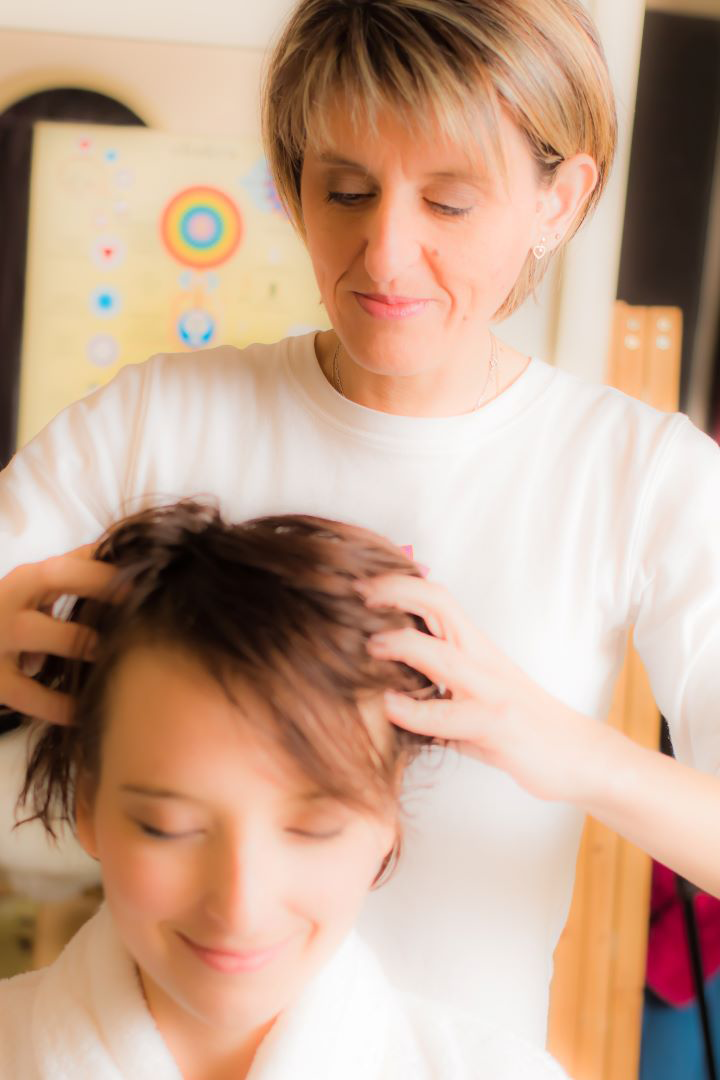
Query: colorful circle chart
{"points": [[196, 328], [201, 227]]}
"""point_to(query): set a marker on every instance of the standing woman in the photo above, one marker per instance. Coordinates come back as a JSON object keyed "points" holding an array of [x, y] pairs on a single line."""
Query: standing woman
{"points": [[435, 155]]}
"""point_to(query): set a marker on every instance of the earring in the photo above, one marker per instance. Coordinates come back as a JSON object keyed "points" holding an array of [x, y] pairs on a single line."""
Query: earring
{"points": [[540, 249]]}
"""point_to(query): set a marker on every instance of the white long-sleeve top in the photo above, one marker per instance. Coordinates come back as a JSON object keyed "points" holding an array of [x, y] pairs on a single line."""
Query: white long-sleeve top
{"points": [[559, 514]]}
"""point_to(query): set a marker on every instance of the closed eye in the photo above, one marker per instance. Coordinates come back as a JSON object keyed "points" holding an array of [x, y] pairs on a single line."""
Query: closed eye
{"points": [[450, 211], [159, 834], [308, 835], [347, 198]]}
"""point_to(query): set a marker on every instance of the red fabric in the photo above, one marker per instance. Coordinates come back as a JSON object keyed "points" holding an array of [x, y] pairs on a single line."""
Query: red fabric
{"points": [[669, 973]]}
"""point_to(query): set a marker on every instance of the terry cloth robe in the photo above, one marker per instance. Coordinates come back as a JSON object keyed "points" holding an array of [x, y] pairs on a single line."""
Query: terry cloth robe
{"points": [[85, 1018]]}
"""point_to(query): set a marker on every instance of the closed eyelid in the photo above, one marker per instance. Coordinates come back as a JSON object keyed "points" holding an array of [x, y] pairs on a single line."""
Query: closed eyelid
{"points": [[318, 834], [155, 832], [310, 832]]}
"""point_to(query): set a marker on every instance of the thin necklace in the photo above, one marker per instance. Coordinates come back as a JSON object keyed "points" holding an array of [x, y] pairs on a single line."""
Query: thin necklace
{"points": [[492, 370]]}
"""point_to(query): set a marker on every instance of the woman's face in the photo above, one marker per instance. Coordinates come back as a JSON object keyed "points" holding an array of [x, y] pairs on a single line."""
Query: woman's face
{"points": [[415, 241], [230, 880]]}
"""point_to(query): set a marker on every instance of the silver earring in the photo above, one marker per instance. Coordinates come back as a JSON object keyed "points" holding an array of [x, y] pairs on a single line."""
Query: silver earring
{"points": [[540, 250]]}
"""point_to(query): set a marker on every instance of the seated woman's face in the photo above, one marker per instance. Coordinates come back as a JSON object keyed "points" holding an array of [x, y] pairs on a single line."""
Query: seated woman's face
{"points": [[229, 878]]}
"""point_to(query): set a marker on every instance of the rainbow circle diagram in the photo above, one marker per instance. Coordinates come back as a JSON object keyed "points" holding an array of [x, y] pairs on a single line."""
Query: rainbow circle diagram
{"points": [[201, 227]]}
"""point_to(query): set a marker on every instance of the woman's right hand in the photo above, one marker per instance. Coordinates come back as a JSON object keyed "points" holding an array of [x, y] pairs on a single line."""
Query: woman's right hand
{"points": [[28, 630]]}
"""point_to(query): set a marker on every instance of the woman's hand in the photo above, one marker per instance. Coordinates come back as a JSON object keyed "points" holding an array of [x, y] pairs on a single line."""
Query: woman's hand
{"points": [[498, 714], [28, 631], [493, 711]]}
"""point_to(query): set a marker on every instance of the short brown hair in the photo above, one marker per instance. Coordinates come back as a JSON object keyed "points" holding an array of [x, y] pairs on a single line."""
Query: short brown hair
{"points": [[270, 601], [456, 62]]}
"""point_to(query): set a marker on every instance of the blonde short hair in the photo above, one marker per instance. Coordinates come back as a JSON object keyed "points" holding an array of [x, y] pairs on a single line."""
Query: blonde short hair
{"points": [[452, 62]]}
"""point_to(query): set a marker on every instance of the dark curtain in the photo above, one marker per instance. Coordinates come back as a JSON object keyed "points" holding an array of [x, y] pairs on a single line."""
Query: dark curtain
{"points": [[16, 127], [677, 118]]}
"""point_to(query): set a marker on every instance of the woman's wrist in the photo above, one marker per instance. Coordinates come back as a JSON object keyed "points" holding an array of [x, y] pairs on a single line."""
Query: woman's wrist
{"points": [[595, 761], [667, 809], [613, 774]]}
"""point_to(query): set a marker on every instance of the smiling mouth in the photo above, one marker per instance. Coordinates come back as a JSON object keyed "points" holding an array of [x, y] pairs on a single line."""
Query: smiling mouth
{"points": [[233, 961], [384, 306], [383, 298]]}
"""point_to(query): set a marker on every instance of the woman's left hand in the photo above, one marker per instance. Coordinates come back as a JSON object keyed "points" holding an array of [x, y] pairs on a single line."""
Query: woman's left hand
{"points": [[494, 711]]}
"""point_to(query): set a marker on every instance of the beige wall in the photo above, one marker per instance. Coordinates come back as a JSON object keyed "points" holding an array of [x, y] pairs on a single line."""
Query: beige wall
{"points": [[589, 279], [182, 88], [246, 23]]}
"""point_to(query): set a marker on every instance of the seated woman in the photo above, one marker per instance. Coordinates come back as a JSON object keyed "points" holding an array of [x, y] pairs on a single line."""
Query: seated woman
{"points": [[231, 768]]}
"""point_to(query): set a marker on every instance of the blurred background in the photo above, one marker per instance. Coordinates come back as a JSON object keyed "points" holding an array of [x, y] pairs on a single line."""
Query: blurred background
{"points": [[137, 216]]}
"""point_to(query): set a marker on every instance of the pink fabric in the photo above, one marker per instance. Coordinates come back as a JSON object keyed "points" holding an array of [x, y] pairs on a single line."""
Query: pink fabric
{"points": [[669, 973]]}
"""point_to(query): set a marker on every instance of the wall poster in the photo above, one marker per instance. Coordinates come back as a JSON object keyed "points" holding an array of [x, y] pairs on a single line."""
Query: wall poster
{"points": [[141, 242]]}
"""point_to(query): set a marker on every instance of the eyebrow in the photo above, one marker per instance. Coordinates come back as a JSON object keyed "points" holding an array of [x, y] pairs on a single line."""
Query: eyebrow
{"points": [[329, 158], [157, 793], [315, 795]]}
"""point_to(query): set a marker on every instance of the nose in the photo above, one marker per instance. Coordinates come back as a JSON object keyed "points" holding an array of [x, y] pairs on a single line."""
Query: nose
{"points": [[392, 241], [243, 888]]}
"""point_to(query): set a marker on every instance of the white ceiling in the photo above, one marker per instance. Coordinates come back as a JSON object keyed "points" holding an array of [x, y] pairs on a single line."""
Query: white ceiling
{"points": [[247, 23]]}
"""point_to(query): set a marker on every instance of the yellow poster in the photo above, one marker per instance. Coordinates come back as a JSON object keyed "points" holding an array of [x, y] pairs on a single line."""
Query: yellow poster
{"points": [[142, 242]]}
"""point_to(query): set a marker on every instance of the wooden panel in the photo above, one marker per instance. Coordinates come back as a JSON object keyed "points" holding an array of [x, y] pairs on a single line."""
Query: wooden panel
{"points": [[597, 990]]}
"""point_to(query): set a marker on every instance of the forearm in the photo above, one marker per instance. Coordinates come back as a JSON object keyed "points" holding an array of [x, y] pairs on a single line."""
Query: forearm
{"points": [[669, 810]]}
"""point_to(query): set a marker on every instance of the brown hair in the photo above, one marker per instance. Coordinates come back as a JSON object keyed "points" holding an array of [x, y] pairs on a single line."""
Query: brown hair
{"points": [[454, 62], [270, 601]]}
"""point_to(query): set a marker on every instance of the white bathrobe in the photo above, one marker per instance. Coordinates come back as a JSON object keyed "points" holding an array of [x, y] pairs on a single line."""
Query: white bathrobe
{"points": [[85, 1018]]}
